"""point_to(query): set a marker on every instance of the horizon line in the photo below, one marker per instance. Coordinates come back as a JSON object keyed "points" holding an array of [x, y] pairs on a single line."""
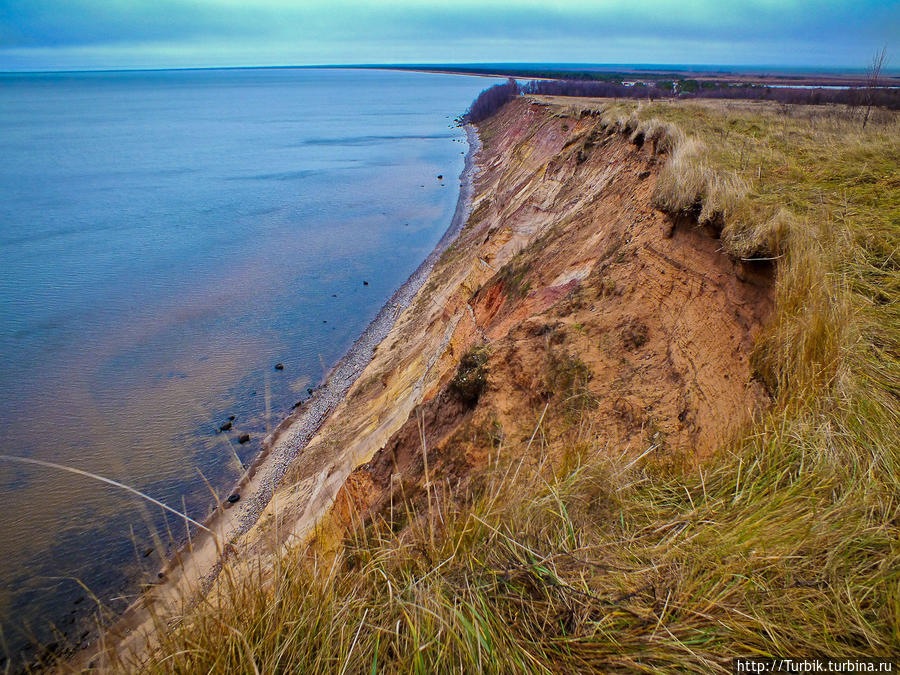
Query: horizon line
{"points": [[649, 67]]}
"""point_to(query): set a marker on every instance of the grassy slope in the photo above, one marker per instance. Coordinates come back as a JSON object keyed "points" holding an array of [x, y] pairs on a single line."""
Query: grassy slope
{"points": [[786, 543]]}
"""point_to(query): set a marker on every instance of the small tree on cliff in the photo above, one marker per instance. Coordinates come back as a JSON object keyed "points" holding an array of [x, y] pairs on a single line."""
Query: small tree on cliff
{"points": [[873, 73]]}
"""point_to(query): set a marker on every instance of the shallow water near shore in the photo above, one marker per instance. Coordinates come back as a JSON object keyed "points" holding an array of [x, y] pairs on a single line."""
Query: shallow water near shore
{"points": [[167, 238]]}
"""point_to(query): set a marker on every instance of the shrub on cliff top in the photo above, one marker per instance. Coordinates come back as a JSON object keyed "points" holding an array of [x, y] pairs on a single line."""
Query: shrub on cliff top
{"points": [[490, 101]]}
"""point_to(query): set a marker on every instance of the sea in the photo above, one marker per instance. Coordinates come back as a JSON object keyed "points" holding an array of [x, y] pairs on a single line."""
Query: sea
{"points": [[166, 239]]}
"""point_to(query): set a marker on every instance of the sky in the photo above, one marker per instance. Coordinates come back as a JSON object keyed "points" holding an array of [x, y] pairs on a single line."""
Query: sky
{"points": [[100, 34]]}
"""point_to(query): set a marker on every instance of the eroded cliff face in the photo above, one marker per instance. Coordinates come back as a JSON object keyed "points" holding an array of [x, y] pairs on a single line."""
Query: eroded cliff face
{"points": [[574, 299]]}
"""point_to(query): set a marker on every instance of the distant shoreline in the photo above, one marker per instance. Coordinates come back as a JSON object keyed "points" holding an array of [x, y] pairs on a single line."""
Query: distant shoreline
{"points": [[760, 75]]}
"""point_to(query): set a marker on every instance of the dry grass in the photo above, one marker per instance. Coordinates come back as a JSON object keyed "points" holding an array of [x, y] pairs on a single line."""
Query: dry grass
{"points": [[810, 188], [577, 566], [687, 183], [787, 542]]}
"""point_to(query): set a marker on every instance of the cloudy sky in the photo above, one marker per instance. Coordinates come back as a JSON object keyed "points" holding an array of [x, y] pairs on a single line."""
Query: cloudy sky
{"points": [[76, 34]]}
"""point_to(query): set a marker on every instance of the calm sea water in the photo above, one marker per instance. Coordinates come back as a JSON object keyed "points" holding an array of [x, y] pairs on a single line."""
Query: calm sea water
{"points": [[165, 239]]}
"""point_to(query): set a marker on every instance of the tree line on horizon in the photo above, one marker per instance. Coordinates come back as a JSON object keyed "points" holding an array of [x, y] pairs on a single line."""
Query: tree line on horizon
{"points": [[495, 97]]}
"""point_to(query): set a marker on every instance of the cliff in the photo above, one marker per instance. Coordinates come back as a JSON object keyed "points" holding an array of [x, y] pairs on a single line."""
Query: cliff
{"points": [[538, 442], [579, 293]]}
